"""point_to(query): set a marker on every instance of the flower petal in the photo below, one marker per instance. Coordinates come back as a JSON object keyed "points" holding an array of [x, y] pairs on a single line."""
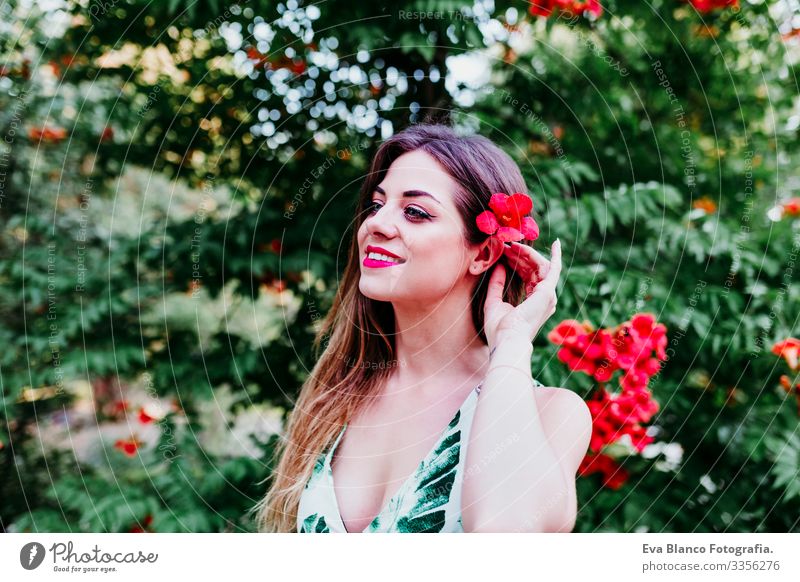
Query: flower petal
{"points": [[521, 204], [509, 234], [530, 229], [487, 222], [499, 203]]}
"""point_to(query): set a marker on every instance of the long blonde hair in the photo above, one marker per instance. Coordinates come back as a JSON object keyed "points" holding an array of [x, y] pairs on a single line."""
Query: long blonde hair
{"points": [[358, 333]]}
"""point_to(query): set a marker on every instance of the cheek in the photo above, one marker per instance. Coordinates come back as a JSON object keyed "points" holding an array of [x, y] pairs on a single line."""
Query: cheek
{"points": [[439, 260]]}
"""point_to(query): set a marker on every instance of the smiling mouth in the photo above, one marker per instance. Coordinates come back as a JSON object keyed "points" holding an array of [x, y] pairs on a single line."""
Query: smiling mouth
{"points": [[375, 260], [384, 258]]}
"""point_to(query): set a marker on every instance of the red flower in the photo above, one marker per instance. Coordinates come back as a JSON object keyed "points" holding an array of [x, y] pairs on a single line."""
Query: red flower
{"points": [[128, 446], [107, 134], [588, 352], [298, 68], [613, 475], [787, 385], [144, 418], [47, 134], [141, 528], [788, 349], [254, 55], [705, 204], [635, 406], [567, 330], [592, 6], [639, 437], [709, 5], [792, 207], [508, 218]]}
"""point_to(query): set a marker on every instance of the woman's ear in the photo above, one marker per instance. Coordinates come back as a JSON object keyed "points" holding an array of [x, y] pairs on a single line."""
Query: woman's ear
{"points": [[489, 252]]}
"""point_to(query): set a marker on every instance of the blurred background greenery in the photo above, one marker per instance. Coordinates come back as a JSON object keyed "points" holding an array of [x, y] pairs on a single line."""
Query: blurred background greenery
{"points": [[178, 181]]}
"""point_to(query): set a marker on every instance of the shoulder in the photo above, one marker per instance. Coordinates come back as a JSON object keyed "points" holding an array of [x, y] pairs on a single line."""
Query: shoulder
{"points": [[567, 422]]}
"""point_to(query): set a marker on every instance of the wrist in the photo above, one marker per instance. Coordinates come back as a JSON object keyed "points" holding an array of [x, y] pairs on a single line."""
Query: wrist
{"points": [[512, 351], [511, 337]]}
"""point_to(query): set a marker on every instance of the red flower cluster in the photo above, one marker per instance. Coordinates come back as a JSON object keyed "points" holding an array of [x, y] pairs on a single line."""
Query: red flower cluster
{"points": [[616, 416], [546, 7], [636, 348], [612, 475], [709, 5], [602, 352], [508, 218]]}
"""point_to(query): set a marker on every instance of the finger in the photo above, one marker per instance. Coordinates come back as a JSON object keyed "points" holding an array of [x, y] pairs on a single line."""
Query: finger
{"points": [[528, 262], [529, 256], [494, 290], [544, 293], [551, 279], [556, 263], [522, 268]]}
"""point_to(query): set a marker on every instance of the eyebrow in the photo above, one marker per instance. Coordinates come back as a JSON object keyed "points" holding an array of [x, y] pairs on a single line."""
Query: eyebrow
{"points": [[411, 194]]}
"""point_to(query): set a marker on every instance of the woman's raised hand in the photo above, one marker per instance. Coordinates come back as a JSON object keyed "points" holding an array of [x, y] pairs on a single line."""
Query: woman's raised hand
{"points": [[541, 276]]}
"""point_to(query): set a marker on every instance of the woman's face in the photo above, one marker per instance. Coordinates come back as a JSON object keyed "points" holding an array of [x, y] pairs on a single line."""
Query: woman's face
{"points": [[426, 232]]}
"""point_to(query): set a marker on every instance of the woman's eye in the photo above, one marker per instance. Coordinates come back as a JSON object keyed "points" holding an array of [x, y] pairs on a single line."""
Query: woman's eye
{"points": [[411, 211], [417, 213]]}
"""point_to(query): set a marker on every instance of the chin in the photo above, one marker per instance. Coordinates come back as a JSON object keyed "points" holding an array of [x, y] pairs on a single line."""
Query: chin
{"points": [[379, 291]]}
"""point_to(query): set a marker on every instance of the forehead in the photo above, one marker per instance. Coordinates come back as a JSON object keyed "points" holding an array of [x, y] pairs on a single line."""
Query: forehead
{"points": [[418, 170]]}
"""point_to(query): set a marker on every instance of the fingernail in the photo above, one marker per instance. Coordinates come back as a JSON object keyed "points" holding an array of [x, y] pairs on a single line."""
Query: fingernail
{"points": [[558, 242]]}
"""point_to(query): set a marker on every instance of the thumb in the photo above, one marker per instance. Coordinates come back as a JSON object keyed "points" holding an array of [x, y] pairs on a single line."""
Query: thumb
{"points": [[494, 291]]}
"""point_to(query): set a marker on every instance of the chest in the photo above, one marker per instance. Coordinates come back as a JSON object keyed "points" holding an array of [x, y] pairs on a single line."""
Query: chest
{"points": [[380, 453]]}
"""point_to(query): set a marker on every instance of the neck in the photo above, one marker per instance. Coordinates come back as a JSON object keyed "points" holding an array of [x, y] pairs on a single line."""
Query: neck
{"points": [[438, 346]]}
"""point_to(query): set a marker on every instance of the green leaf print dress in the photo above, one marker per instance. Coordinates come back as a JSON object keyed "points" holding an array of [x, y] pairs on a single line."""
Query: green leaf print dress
{"points": [[428, 501]]}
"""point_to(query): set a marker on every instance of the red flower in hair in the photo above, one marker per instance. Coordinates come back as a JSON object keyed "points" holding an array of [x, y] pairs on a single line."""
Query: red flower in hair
{"points": [[508, 218]]}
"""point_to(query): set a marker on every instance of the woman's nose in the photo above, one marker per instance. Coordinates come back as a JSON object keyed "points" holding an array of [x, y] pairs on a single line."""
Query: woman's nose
{"points": [[383, 221]]}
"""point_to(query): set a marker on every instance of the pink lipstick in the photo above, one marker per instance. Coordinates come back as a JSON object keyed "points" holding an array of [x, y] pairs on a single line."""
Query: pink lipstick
{"points": [[385, 259]]}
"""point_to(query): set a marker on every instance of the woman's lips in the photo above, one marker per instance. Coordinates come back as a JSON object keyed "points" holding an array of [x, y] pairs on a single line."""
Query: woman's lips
{"points": [[377, 264]]}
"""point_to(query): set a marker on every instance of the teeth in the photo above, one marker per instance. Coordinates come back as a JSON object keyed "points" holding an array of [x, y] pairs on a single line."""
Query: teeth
{"points": [[380, 257]]}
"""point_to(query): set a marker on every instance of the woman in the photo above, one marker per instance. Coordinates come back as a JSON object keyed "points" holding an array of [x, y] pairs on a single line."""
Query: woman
{"points": [[422, 409]]}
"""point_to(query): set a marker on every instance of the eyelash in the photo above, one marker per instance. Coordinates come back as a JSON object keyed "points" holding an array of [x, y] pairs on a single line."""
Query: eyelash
{"points": [[421, 215]]}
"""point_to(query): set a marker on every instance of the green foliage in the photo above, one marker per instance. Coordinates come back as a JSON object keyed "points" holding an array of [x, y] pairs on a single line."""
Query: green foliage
{"points": [[192, 222]]}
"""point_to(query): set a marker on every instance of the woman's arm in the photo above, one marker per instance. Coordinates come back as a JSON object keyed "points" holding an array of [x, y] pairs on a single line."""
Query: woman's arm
{"points": [[516, 479]]}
